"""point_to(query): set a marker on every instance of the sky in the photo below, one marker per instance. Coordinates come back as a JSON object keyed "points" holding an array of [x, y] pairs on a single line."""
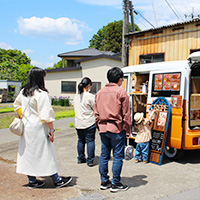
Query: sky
{"points": [[43, 29]]}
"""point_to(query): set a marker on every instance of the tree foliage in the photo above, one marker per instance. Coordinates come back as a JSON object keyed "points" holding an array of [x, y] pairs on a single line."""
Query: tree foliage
{"points": [[109, 38], [14, 65], [56, 65]]}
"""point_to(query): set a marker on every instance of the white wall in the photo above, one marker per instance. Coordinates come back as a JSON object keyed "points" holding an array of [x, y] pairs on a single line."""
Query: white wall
{"points": [[96, 70]]}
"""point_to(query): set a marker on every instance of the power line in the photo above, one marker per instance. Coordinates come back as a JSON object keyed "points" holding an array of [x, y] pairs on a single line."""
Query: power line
{"points": [[136, 12], [176, 9], [154, 12], [171, 8]]}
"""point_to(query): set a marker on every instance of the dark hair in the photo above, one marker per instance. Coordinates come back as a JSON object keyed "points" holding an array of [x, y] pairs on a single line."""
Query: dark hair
{"points": [[84, 83], [35, 81], [114, 74]]}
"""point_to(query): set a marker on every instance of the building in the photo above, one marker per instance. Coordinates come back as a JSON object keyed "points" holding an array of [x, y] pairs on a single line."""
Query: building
{"points": [[87, 62], [166, 43], [9, 90]]}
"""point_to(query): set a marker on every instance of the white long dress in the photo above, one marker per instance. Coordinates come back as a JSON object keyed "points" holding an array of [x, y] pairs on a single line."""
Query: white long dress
{"points": [[36, 154]]}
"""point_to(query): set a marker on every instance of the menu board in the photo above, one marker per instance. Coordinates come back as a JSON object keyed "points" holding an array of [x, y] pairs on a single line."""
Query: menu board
{"points": [[158, 82], [176, 81], [157, 139], [160, 121], [167, 82], [176, 101]]}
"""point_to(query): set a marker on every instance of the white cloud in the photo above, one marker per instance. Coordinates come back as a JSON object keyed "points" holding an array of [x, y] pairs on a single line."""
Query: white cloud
{"points": [[159, 13], [103, 2], [42, 65], [4, 45], [28, 51], [63, 29]]}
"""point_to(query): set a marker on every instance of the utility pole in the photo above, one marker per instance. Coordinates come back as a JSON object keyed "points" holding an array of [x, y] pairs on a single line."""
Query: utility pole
{"points": [[125, 31], [131, 15]]}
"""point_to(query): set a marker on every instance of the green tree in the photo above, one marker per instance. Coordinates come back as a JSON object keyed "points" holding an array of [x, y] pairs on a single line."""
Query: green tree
{"points": [[109, 38], [14, 65], [56, 65]]}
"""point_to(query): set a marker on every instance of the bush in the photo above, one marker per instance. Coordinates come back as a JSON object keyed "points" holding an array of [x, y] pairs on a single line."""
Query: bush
{"points": [[61, 101]]}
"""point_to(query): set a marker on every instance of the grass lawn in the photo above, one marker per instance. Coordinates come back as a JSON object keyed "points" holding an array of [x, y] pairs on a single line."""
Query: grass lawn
{"points": [[7, 114]]}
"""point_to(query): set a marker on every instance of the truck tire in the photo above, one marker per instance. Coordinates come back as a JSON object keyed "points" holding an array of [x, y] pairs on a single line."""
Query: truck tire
{"points": [[173, 153]]}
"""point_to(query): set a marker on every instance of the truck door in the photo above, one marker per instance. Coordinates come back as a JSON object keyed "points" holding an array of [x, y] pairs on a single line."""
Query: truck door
{"points": [[171, 85]]}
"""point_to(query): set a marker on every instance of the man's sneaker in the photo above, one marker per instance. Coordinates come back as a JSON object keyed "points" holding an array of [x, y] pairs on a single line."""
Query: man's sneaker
{"points": [[63, 181], [81, 161], [37, 184], [119, 187], [105, 185], [90, 164]]}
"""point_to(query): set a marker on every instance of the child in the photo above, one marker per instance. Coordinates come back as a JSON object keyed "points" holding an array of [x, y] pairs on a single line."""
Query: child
{"points": [[143, 136]]}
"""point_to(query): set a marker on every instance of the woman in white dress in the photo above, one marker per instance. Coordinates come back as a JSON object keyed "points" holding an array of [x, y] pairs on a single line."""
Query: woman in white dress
{"points": [[36, 154]]}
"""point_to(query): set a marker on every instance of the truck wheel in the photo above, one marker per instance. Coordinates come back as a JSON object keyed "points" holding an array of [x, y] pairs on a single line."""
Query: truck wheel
{"points": [[173, 153]]}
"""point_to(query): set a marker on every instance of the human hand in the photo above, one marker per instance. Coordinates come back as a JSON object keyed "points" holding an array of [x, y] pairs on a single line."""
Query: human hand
{"points": [[127, 135], [51, 137]]}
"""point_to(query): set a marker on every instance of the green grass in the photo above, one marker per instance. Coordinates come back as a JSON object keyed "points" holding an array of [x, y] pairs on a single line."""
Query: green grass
{"points": [[64, 114], [7, 115], [6, 110]]}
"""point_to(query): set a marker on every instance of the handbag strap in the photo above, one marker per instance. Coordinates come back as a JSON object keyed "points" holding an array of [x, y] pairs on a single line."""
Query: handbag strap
{"points": [[25, 108]]}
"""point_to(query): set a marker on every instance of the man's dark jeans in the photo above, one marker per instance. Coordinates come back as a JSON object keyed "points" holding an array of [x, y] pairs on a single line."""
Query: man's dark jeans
{"points": [[115, 141]]}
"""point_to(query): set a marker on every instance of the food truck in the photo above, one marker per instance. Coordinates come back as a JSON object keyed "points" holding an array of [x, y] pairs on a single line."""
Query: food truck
{"points": [[179, 83]]}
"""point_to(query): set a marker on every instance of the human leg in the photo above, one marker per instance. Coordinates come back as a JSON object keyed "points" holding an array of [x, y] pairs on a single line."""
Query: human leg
{"points": [[81, 146], [137, 152], [34, 183], [145, 151], [104, 157], [90, 141], [118, 144]]}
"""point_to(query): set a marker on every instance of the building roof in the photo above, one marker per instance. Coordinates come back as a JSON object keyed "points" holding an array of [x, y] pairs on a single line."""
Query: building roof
{"points": [[87, 52], [166, 26], [64, 69], [99, 56]]}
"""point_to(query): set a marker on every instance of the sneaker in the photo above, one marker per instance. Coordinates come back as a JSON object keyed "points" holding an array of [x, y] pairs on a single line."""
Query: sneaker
{"points": [[105, 185], [81, 161], [63, 181], [90, 164], [37, 184], [145, 161], [136, 161], [119, 187]]}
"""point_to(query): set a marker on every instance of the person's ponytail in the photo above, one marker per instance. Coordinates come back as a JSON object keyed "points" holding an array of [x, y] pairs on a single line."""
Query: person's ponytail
{"points": [[84, 83], [80, 88]]}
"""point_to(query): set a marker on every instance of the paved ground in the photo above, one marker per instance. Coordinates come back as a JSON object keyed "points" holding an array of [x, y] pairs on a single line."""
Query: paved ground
{"points": [[170, 181]]}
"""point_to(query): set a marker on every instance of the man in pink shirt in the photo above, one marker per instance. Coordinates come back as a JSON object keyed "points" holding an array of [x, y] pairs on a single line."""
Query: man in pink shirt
{"points": [[113, 120]]}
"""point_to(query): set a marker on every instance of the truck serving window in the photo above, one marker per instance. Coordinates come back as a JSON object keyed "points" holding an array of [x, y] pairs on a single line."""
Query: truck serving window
{"points": [[166, 84], [195, 97]]}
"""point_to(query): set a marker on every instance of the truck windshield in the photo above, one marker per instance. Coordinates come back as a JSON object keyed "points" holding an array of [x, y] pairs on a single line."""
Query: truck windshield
{"points": [[195, 97]]}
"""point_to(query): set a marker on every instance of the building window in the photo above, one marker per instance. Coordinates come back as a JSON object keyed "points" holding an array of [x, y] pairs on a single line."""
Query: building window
{"points": [[96, 86], [68, 86], [151, 58]]}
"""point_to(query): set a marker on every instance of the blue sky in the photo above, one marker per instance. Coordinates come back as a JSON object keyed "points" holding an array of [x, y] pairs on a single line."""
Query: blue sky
{"points": [[43, 29]]}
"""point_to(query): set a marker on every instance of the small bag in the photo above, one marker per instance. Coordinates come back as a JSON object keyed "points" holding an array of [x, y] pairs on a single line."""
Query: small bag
{"points": [[128, 151], [17, 126]]}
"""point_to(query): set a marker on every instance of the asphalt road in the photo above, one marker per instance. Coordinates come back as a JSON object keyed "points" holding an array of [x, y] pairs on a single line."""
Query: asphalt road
{"points": [[170, 181]]}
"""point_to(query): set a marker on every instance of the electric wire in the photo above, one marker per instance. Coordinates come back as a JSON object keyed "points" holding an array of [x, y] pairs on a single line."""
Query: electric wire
{"points": [[154, 12], [171, 8], [136, 12], [174, 6]]}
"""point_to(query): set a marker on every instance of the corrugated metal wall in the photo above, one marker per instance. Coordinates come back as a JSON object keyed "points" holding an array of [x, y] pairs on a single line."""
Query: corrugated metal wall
{"points": [[174, 41]]}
